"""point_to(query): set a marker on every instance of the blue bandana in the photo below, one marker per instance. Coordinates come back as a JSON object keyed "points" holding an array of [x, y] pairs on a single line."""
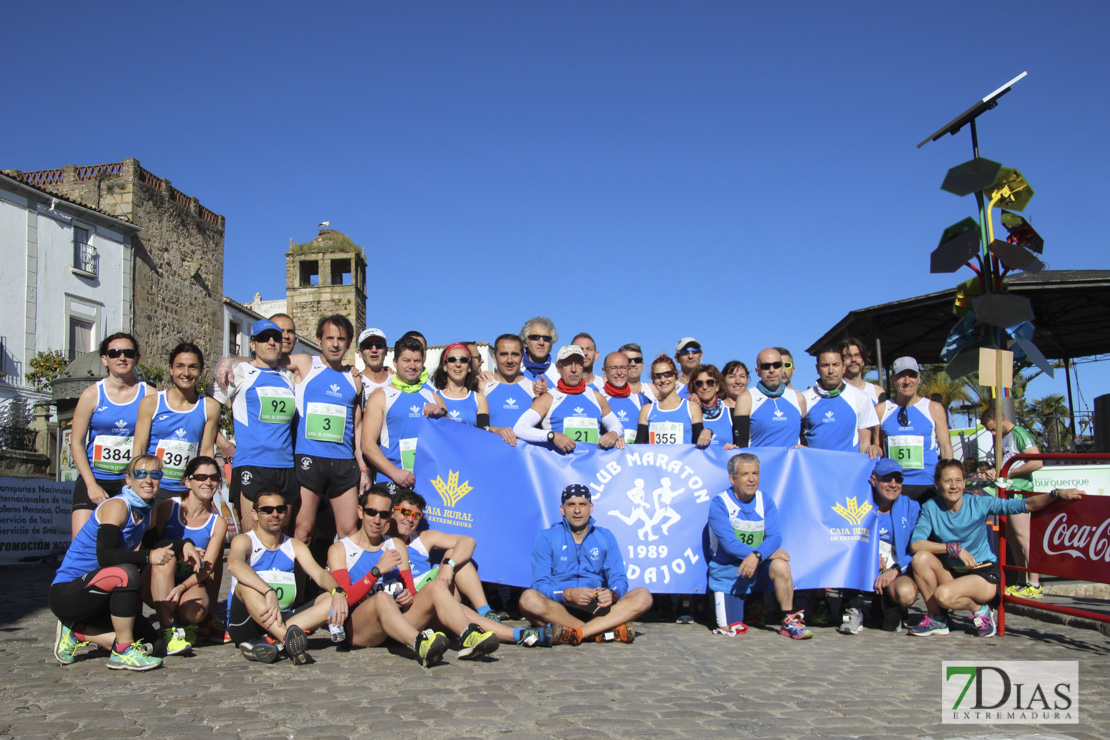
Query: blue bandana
{"points": [[138, 505], [770, 393], [536, 368]]}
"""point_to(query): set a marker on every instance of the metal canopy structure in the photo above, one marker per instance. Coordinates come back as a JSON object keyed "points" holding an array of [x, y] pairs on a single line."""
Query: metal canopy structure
{"points": [[1072, 310]]}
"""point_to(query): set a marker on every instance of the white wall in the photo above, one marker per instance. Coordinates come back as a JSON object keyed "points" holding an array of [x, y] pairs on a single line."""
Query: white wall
{"points": [[13, 282]]}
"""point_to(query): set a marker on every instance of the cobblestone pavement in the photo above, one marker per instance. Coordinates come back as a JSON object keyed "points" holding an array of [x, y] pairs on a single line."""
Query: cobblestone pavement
{"points": [[674, 681]]}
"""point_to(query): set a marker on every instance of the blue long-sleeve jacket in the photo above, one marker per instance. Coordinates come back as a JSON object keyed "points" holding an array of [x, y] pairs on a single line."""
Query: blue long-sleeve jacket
{"points": [[559, 562], [727, 549], [904, 513]]}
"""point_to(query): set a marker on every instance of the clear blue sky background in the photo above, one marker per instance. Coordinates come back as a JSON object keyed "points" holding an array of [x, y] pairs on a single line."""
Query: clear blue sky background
{"points": [[741, 172]]}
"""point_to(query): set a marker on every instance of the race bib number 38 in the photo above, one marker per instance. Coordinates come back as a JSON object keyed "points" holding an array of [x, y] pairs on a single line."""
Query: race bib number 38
{"points": [[112, 454], [275, 405], [325, 422]]}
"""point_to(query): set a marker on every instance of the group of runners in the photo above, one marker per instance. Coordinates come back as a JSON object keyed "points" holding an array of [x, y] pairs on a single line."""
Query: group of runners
{"points": [[310, 429]]}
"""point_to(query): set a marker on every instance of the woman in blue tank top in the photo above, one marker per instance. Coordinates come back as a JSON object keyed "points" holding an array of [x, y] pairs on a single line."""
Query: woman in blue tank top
{"points": [[671, 419], [456, 382], [104, 426], [708, 386], [183, 598], [178, 424]]}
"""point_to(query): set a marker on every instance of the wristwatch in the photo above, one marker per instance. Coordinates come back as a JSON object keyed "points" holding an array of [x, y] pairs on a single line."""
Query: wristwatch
{"points": [[758, 555], [338, 591], [375, 572], [450, 562], [551, 436]]}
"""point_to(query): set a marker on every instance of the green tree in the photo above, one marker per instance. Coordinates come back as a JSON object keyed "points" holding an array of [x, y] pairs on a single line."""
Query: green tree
{"points": [[45, 367], [1051, 417]]}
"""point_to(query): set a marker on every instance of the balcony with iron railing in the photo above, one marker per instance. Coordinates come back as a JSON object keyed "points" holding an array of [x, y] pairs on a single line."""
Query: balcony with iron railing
{"points": [[86, 258]]}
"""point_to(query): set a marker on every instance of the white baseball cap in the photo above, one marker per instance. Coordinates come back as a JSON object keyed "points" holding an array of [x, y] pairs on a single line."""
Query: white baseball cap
{"points": [[905, 363], [684, 341], [367, 333], [570, 349]]}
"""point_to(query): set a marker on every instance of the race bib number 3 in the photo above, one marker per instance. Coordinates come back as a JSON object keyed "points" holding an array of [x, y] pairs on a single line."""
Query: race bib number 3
{"points": [[908, 450], [665, 432], [284, 583], [275, 405], [408, 453], [111, 454], [325, 422], [580, 429], [175, 454]]}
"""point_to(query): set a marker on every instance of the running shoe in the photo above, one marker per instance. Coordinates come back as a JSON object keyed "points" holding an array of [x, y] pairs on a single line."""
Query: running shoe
{"points": [[984, 624], [430, 647], [893, 619], [928, 627], [296, 645], [539, 636], [822, 614], [476, 643], [621, 633], [213, 629], [1015, 589], [569, 636], [133, 659], [1031, 591], [176, 644], [66, 645], [755, 612], [493, 616], [851, 623], [264, 650], [794, 626], [733, 630], [191, 634]]}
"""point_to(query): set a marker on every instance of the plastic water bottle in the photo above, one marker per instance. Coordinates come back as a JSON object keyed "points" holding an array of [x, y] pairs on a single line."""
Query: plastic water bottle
{"points": [[338, 634]]}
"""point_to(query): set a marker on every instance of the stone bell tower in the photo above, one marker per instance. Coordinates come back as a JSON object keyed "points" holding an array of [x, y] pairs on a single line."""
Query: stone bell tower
{"points": [[326, 276]]}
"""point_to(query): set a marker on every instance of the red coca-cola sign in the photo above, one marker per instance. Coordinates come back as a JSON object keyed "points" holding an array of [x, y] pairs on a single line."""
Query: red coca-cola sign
{"points": [[1072, 540]]}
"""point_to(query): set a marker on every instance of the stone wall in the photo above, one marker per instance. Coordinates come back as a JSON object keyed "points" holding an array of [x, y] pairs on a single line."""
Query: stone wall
{"points": [[179, 252], [308, 304]]}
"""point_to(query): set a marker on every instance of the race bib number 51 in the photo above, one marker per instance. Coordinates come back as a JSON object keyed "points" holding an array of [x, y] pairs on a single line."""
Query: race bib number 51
{"points": [[908, 450]]}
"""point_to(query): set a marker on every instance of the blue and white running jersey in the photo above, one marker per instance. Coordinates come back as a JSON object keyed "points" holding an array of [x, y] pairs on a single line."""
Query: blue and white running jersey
{"points": [[463, 410], [576, 415], [175, 438], [682, 390], [176, 529], [913, 445], [775, 422], [112, 433], [508, 401], [326, 401], [551, 374], [360, 562], [277, 568], [263, 409], [81, 557], [404, 413], [627, 410], [834, 423], [670, 427], [720, 425]]}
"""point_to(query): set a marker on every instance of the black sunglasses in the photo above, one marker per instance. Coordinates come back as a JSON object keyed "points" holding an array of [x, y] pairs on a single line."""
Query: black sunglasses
{"points": [[891, 477], [372, 345], [267, 510], [266, 336], [770, 365], [371, 512], [705, 383], [130, 354], [140, 474], [636, 360], [538, 337], [904, 416], [664, 374], [205, 476]]}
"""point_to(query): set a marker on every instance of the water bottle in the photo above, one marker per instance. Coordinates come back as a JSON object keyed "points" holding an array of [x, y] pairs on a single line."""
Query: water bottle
{"points": [[338, 634]]}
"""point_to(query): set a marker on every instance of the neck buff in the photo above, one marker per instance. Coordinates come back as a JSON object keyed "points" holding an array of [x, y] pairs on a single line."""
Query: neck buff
{"points": [[136, 502], [408, 387], [536, 368], [711, 413], [828, 394], [770, 393], [572, 390], [624, 392]]}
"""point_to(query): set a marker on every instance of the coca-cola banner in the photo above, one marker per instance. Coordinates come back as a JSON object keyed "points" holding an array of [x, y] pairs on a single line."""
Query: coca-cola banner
{"points": [[1072, 540]]}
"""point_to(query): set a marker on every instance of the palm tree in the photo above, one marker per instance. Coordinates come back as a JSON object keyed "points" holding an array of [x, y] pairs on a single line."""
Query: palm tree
{"points": [[1052, 416], [939, 386]]}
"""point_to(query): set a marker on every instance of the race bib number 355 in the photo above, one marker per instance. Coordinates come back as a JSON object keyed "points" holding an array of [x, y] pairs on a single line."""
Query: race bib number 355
{"points": [[665, 432]]}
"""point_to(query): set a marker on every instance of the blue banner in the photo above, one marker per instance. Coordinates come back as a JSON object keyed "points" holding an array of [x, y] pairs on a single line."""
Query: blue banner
{"points": [[654, 498]]}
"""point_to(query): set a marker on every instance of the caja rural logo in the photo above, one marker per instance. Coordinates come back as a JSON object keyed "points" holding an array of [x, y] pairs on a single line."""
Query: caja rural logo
{"points": [[646, 495], [450, 493], [854, 513]]}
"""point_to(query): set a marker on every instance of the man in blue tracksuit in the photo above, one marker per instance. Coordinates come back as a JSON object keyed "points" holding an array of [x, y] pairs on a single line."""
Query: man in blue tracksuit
{"points": [[579, 580], [897, 516]]}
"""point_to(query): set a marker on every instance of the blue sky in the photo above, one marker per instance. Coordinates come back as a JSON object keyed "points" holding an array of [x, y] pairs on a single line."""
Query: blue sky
{"points": [[743, 173]]}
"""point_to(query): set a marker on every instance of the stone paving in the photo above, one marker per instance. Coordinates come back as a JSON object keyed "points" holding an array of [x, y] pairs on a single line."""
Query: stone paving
{"points": [[674, 681]]}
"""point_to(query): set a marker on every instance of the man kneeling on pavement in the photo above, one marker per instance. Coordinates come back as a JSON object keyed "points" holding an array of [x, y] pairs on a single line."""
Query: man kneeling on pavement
{"points": [[579, 579]]}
